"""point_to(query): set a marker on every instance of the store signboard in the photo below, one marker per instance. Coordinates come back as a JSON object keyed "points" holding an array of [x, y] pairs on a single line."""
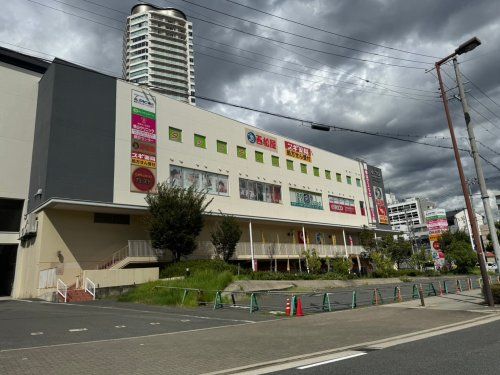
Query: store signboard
{"points": [[143, 142], [258, 139], [375, 189], [298, 152], [342, 205], [306, 199], [436, 225], [369, 192]]}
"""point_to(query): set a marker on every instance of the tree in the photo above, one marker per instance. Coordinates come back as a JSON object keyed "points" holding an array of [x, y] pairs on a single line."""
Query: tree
{"points": [[420, 259], [384, 266], [225, 237], [341, 266], [399, 250], [313, 261], [367, 240], [458, 251], [176, 218]]}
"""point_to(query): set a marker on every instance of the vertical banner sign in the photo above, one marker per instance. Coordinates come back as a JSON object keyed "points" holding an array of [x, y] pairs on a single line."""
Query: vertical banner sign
{"points": [[378, 194], [370, 195], [436, 225], [143, 142]]}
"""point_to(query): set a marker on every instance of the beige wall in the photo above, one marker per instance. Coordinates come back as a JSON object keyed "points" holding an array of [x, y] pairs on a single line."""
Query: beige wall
{"points": [[71, 242], [194, 120], [108, 278]]}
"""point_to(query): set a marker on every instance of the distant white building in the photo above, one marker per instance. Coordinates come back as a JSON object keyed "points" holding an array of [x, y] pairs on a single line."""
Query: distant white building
{"points": [[408, 212]]}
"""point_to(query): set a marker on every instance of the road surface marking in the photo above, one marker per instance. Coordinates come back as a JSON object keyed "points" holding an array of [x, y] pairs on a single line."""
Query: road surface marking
{"points": [[77, 329], [36, 333], [154, 323], [120, 326], [185, 320], [331, 361]]}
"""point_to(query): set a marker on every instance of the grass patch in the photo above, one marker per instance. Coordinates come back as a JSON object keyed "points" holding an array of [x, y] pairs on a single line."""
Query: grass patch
{"points": [[155, 293], [495, 289]]}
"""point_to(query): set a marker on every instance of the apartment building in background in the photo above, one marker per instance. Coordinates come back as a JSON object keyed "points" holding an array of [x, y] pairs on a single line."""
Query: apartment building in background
{"points": [[407, 212], [158, 51]]}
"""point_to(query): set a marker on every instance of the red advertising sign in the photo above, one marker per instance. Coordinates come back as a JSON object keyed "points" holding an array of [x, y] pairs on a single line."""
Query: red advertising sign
{"points": [[369, 192], [143, 179], [342, 205], [298, 152]]}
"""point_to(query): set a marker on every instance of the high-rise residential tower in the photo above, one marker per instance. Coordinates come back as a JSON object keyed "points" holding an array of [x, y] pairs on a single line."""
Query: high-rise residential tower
{"points": [[158, 51]]}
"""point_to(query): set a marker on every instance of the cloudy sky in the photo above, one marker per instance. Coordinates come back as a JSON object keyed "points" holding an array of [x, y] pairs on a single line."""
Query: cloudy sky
{"points": [[360, 66]]}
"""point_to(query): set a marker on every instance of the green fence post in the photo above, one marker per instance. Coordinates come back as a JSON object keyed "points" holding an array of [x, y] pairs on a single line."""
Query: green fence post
{"points": [[415, 294], [254, 306], [186, 291], [326, 302], [431, 289], [218, 300], [354, 302], [397, 294]]}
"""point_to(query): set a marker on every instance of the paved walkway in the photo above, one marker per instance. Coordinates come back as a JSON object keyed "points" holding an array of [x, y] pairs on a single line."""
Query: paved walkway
{"points": [[222, 347]]}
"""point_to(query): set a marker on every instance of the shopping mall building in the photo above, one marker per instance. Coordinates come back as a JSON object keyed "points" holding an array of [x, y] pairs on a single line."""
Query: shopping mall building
{"points": [[80, 150]]}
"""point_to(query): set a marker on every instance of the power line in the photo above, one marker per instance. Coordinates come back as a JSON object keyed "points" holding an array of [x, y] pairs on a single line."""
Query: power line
{"points": [[489, 162], [303, 36], [302, 65], [405, 96], [330, 32], [331, 127], [488, 148], [481, 91]]}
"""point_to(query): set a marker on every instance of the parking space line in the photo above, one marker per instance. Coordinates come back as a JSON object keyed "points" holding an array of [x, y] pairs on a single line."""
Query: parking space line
{"points": [[154, 323], [77, 329], [331, 361], [120, 326], [36, 333]]}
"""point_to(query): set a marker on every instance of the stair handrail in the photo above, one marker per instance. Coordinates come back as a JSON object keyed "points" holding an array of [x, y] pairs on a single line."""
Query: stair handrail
{"points": [[62, 289], [89, 286], [115, 257]]}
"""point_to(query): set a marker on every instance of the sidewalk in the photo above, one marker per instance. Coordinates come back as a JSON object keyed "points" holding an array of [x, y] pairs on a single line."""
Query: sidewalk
{"points": [[216, 349]]}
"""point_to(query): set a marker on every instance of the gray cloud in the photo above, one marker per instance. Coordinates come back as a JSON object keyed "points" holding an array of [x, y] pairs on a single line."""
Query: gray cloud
{"points": [[429, 27]]}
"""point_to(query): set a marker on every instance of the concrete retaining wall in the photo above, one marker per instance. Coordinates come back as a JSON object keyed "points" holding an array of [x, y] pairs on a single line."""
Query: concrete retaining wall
{"points": [[129, 276]]}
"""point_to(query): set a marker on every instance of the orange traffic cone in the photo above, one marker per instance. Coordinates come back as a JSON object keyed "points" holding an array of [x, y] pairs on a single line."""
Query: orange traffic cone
{"points": [[288, 307], [299, 308]]}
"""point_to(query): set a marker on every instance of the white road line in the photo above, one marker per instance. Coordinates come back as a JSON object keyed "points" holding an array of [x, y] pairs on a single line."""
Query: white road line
{"points": [[185, 320], [120, 326], [154, 323], [36, 333], [77, 329], [331, 361]]}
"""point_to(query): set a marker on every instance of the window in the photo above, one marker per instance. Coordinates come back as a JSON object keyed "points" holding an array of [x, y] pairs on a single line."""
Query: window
{"points": [[362, 208], [348, 179], [275, 161], [211, 183], [303, 168], [328, 175], [289, 165], [200, 141], [259, 157], [101, 218], [260, 191], [306, 199], [339, 177], [316, 171], [241, 152], [222, 147], [174, 134], [10, 214], [358, 182]]}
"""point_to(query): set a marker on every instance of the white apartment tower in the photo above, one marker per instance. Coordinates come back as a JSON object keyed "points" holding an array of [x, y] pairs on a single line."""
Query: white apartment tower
{"points": [[158, 51]]}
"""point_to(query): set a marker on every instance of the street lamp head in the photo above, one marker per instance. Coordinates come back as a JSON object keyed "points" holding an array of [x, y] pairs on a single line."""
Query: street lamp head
{"points": [[468, 46], [324, 128]]}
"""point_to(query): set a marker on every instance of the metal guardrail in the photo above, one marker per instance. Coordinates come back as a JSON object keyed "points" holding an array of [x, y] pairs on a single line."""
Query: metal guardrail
{"points": [[329, 300], [62, 289]]}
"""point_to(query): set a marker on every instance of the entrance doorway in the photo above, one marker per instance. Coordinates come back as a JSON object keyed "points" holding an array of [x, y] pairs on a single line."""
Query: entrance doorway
{"points": [[8, 255]]}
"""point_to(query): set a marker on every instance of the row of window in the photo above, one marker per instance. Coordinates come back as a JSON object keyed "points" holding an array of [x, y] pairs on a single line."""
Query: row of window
{"points": [[200, 141]]}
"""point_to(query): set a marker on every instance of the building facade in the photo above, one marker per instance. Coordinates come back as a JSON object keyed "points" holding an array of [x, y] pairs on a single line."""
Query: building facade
{"points": [[408, 212], [158, 51], [95, 146]]}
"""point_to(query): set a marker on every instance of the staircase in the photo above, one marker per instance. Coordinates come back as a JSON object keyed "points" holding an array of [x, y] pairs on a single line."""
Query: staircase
{"points": [[72, 294], [136, 251]]}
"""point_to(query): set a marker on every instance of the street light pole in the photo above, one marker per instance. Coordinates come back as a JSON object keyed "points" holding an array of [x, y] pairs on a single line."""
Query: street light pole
{"points": [[477, 163], [465, 47]]}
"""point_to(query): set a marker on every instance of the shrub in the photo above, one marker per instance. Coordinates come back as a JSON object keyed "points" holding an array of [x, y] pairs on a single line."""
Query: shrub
{"points": [[341, 266], [179, 269]]}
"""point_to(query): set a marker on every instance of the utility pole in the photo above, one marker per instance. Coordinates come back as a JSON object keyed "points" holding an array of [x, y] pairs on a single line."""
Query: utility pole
{"points": [[479, 169]]}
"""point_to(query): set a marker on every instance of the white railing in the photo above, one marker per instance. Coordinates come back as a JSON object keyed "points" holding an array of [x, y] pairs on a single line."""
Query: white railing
{"points": [[135, 248], [281, 250], [89, 287], [62, 289]]}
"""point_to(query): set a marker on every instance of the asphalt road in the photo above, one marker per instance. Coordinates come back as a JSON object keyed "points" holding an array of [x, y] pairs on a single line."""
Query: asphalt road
{"points": [[470, 351], [35, 323]]}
